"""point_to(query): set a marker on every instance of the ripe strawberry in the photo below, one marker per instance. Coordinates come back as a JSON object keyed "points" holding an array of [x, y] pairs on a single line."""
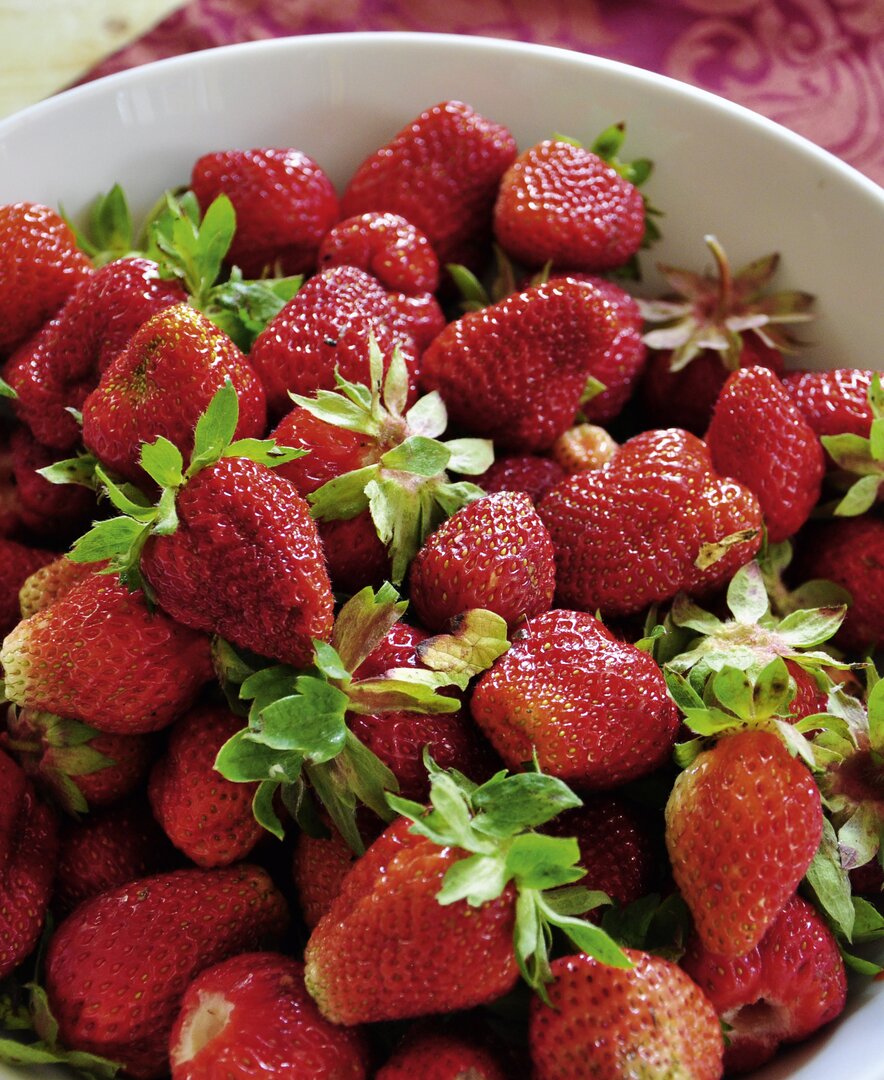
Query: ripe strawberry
{"points": [[781, 991], [41, 264], [743, 822], [386, 245], [420, 316], [561, 203], [522, 472], [355, 556], [17, 563], [156, 933], [516, 371], [320, 864], [494, 553], [206, 816], [44, 508], [833, 402], [284, 205], [326, 328], [136, 670], [440, 1051], [440, 172], [49, 582], [593, 709], [651, 1020], [583, 447], [758, 437], [251, 1016], [160, 383], [28, 846], [656, 520], [58, 368], [107, 849], [397, 649]]}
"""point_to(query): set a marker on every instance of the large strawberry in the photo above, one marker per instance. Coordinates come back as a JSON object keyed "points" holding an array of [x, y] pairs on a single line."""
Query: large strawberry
{"points": [[656, 520], [649, 1020], [516, 371], [743, 822], [155, 933], [269, 1026], [594, 710], [39, 267], [441, 172]]}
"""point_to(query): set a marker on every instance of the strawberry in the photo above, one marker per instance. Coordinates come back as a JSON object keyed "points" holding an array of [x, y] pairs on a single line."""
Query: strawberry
{"points": [[516, 371], [494, 553], [561, 203], [41, 265], [355, 555], [420, 316], [757, 436], [161, 383], [833, 402], [136, 670], [250, 1016], [28, 847], [10, 505], [320, 864], [386, 245], [583, 447], [325, 329], [107, 849], [440, 172], [781, 991], [156, 933], [207, 817], [440, 1051], [49, 582], [284, 204], [56, 369], [522, 472], [743, 822], [649, 1020], [78, 767], [44, 508], [594, 710], [717, 324], [658, 505], [17, 563]]}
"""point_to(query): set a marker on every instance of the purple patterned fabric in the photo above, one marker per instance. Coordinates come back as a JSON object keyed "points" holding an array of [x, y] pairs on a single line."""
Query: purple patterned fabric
{"points": [[816, 66]]}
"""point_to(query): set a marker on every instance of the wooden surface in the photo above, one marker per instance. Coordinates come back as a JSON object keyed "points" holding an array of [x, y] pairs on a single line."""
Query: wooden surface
{"points": [[47, 44]]}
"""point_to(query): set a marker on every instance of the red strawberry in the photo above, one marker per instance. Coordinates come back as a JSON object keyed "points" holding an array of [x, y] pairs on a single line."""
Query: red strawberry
{"points": [[51, 510], [107, 849], [593, 709], [757, 436], [320, 864], [398, 649], [17, 563], [28, 846], [516, 371], [60, 366], [833, 402], [284, 205], [781, 991], [809, 698], [326, 328], [420, 316], [495, 553], [743, 822], [206, 816], [355, 555], [656, 520], [561, 203], [156, 934], [440, 172], [250, 1016], [333, 450], [435, 1051], [651, 1020], [135, 670], [161, 383], [583, 447], [386, 245], [49, 582], [522, 472], [41, 264]]}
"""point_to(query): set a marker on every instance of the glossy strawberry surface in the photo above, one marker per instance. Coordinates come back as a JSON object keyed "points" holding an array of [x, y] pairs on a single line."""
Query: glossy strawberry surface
{"points": [[833, 402], [386, 245]]}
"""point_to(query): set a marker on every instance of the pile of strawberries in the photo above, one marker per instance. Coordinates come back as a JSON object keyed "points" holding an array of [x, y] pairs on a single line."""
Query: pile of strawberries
{"points": [[419, 654]]}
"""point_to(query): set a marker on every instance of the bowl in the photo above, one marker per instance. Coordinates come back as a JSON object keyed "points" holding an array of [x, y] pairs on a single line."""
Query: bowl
{"points": [[719, 168]]}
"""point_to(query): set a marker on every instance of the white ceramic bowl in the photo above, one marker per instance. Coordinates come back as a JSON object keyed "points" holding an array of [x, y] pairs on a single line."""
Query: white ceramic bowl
{"points": [[719, 169]]}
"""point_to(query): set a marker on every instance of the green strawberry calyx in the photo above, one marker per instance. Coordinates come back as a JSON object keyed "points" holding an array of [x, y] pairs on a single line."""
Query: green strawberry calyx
{"points": [[297, 743], [120, 540], [496, 824], [407, 490], [716, 310], [862, 457], [6, 391]]}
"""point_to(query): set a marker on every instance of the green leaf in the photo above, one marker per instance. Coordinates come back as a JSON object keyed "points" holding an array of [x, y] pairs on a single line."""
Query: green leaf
{"points": [[418, 455], [6, 390], [311, 721], [472, 457], [475, 297], [875, 707], [734, 691], [687, 614], [214, 237], [588, 938], [609, 142], [113, 538], [215, 428], [830, 883], [334, 408], [268, 684], [264, 810], [406, 690], [343, 497], [329, 662], [363, 772], [859, 837], [850, 452], [79, 470], [126, 497], [244, 760], [868, 923], [162, 460], [506, 805], [860, 497], [476, 879], [428, 416], [263, 451], [747, 595], [242, 309], [478, 637], [536, 861], [395, 390], [363, 623], [804, 629], [575, 899]]}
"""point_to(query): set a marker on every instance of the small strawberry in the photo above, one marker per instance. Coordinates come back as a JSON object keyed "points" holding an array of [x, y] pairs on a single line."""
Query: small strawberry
{"points": [[781, 991], [743, 822], [522, 472], [17, 563], [320, 864], [250, 1016], [494, 553], [833, 402], [386, 245], [440, 172], [284, 205], [446, 1051], [594, 710], [206, 816], [41, 264], [656, 520], [583, 447], [649, 1020], [49, 582], [156, 933], [135, 670]]}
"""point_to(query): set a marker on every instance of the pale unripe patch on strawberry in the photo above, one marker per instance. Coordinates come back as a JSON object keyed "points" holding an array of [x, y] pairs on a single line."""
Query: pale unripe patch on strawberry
{"points": [[201, 1026]]}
